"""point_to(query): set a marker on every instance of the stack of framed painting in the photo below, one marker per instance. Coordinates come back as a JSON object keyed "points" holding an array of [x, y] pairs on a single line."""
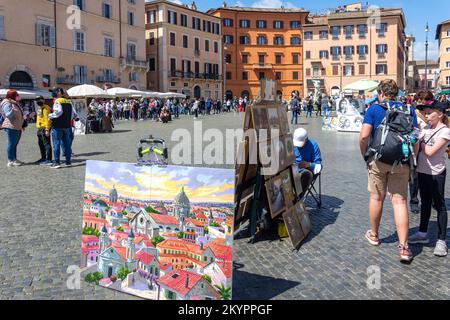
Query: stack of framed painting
{"points": [[267, 177], [161, 233]]}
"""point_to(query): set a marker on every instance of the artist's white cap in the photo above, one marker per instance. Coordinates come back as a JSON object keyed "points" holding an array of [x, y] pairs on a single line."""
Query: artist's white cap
{"points": [[300, 137]]}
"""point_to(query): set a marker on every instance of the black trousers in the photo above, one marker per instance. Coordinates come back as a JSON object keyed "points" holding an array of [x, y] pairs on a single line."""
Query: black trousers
{"points": [[45, 145], [306, 179], [432, 190], [413, 187]]}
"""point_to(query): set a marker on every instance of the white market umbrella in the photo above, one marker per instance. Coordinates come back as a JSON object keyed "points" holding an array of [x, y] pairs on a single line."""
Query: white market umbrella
{"points": [[86, 90], [125, 93], [150, 94], [172, 95], [24, 94], [362, 85]]}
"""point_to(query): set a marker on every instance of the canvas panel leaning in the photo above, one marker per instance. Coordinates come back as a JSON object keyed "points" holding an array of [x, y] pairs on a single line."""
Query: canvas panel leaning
{"points": [[161, 233]]}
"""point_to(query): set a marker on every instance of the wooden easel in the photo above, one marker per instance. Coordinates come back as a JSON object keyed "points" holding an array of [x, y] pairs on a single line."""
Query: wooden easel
{"points": [[259, 117]]}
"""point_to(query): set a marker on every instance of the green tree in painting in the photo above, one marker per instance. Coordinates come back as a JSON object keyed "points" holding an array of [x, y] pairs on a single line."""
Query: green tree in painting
{"points": [[149, 209], [225, 293], [90, 232], [207, 278], [156, 240], [94, 277], [122, 273]]}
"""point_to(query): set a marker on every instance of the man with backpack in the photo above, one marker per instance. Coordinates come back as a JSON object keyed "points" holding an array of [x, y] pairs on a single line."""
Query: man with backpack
{"points": [[387, 144]]}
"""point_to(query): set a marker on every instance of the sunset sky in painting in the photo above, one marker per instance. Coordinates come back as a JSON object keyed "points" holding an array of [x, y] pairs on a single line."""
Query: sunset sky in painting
{"points": [[154, 183]]}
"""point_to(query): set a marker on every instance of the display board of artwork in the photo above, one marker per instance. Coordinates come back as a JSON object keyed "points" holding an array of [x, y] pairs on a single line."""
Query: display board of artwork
{"points": [[81, 109], [160, 233], [281, 186], [348, 117]]}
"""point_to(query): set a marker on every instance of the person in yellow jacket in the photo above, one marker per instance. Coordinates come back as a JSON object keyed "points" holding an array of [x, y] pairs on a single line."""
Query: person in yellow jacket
{"points": [[44, 126]]}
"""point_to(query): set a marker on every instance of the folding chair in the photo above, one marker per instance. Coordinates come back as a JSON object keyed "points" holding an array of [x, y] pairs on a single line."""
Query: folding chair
{"points": [[317, 196]]}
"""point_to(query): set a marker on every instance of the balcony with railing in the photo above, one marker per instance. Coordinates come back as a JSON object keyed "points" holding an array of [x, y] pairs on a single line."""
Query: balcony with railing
{"points": [[348, 57], [71, 79], [262, 65], [132, 62], [381, 55], [362, 56], [336, 57]]}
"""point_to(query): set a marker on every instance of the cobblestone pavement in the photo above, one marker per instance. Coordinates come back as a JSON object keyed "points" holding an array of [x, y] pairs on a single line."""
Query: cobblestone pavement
{"points": [[40, 219]]}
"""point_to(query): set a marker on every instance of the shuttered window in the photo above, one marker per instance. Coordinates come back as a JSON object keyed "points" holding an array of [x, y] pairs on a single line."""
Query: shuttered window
{"points": [[45, 34], [2, 27]]}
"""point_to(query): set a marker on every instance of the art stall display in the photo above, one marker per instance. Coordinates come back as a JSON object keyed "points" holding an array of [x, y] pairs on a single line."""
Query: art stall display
{"points": [[160, 233], [348, 117], [81, 109], [276, 194]]}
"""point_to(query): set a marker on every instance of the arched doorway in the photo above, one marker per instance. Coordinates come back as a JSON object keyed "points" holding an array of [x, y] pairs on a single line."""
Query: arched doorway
{"points": [[245, 93], [20, 79], [229, 94], [197, 92]]}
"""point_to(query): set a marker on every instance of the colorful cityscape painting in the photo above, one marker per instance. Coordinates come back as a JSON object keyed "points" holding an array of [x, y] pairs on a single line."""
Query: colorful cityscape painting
{"points": [[161, 233]]}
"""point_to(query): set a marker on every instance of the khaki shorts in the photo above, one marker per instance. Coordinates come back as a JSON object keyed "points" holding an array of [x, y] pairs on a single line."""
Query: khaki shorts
{"points": [[382, 178]]}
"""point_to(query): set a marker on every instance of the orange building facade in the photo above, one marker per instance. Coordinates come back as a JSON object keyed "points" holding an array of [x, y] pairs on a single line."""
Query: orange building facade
{"points": [[262, 44]]}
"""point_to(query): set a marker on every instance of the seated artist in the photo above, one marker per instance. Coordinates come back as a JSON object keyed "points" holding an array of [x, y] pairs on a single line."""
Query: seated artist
{"points": [[308, 158]]}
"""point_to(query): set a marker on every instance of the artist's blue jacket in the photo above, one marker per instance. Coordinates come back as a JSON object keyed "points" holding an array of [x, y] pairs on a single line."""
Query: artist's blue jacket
{"points": [[309, 153]]}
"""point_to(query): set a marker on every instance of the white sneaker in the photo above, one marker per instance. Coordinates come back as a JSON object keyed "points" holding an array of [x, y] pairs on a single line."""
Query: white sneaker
{"points": [[10, 163], [441, 249], [17, 163]]}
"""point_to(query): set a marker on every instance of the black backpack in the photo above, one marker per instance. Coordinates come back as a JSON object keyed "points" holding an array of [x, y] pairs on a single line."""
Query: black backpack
{"points": [[392, 143]]}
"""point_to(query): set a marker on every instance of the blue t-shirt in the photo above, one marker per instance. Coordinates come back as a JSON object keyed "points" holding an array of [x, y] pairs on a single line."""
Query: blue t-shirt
{"points": [[376, 113], [309, 153]]}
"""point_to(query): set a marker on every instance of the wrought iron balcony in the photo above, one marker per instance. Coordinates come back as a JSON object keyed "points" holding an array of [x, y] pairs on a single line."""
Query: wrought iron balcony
{"points": [[71, 80], [133, 63]]}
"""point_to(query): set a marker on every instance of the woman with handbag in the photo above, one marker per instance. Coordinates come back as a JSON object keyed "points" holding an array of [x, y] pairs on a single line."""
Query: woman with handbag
{"points": [[432, 172], [14, 124]]}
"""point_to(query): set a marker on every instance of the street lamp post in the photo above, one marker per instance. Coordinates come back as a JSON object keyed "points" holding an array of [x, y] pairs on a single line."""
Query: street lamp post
{"points": [[224, 73], [427, 29]]}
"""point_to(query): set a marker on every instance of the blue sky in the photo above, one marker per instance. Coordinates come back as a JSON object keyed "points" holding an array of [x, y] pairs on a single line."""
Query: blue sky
{"points": [[417, 12]]}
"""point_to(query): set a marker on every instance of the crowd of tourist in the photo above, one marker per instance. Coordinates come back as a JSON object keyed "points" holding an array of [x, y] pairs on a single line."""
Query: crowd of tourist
{"points": [[163, 110]]}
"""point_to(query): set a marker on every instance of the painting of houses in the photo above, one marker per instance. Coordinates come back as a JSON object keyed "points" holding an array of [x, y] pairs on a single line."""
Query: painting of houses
{"points": [[158, 233]]}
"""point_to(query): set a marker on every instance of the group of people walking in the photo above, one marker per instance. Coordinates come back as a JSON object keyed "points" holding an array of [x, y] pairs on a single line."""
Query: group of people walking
{"points": [[322, 106]]}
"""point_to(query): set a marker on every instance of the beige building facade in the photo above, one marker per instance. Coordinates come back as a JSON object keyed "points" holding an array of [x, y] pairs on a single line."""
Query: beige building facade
{"points": [[184, 50], [51, 43], [443, 36], [354, 43], [418, 79]]}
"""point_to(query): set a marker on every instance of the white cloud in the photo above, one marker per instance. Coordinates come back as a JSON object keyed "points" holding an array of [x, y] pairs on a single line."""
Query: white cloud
{"points": [[273, 4], [239, 4], [419, 50]]}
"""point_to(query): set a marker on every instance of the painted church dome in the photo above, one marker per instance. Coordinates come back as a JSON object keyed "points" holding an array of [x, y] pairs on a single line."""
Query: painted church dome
{"points": [[181, 199]]}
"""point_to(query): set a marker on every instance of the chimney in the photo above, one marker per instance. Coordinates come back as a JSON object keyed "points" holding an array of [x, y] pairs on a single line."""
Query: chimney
{"points": [[201, 246], [187, 280]]}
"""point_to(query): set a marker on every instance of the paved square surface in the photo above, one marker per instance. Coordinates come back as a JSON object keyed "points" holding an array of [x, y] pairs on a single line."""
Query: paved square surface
{"points": [[40, 219]]}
